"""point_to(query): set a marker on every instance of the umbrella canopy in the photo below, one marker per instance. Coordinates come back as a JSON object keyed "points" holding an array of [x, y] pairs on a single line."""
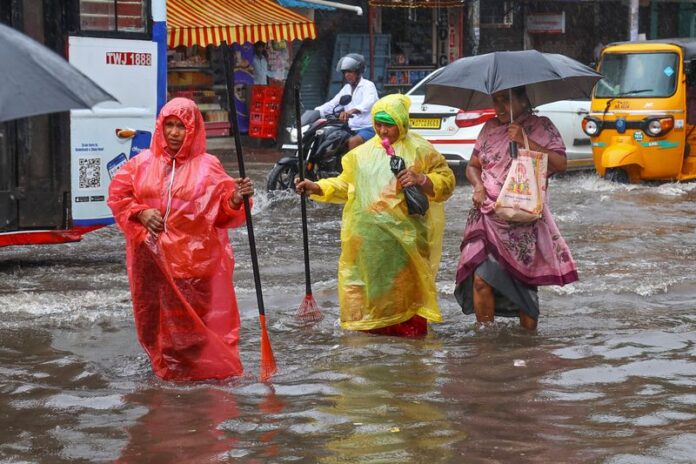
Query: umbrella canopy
{"points": [[36, 80], [469, 82]]}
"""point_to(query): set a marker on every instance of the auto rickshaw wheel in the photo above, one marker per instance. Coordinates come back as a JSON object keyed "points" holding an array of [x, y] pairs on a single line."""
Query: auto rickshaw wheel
{"points": [[618, 175]]}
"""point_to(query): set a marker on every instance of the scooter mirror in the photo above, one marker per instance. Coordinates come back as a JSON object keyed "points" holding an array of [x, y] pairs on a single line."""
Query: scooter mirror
{"points": [[345, 99]]}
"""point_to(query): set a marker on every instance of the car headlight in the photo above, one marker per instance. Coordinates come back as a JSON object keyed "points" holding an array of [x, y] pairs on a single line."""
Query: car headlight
{"points": [[656, 127], [591, 126]]}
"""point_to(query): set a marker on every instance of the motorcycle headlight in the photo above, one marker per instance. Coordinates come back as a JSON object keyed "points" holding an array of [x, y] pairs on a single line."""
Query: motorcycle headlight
{"points": [[590, 126]]}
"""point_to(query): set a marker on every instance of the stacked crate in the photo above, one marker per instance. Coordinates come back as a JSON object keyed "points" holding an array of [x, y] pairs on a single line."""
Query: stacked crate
{"points": [[265, 111]]}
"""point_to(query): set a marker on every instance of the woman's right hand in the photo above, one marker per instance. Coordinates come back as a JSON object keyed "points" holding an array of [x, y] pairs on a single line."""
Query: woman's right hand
{"points": [[303, 186], [479, 196], [151, 219]]}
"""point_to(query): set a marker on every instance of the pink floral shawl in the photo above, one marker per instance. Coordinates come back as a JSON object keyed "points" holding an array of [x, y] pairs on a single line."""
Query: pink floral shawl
{"points": [[533, 253]]}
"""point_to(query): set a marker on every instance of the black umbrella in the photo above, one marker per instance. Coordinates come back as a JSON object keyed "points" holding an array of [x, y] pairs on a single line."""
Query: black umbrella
{"points": [[468, 83], [36, 80]]}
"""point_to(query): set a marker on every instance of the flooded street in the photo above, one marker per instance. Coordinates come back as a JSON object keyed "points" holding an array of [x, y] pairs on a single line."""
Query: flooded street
{"points": [[610, 377]]}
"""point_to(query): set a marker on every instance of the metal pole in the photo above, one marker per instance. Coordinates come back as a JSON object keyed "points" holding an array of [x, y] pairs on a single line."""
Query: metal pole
{"points": [[356, 9], [371, 30], [633, 20]]}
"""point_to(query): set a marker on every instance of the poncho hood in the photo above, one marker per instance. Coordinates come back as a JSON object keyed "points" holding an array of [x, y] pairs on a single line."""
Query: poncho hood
{"points": [[194, 140], [396, 106]]}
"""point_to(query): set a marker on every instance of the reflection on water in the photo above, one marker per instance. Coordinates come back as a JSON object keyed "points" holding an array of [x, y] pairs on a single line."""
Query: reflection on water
{"points": [[608, 378], [179, 426]]}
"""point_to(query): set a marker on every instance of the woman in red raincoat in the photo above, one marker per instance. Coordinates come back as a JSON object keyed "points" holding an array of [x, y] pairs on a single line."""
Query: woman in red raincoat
{"points": [[174, 203]]}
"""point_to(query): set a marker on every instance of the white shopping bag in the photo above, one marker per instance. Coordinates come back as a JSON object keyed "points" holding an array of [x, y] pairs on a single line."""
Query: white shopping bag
{"points": [[524, 192]]}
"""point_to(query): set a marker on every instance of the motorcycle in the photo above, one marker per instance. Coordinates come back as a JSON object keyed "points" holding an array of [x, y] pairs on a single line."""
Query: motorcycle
{"points": [[324, 142]]}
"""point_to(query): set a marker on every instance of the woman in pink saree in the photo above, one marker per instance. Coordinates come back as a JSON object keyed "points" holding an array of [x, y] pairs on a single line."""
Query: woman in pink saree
{"points": [[502, 263]]}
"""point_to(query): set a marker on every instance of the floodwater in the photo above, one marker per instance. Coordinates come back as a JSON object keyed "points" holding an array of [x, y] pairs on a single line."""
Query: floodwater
{"points": [[610, 377]]}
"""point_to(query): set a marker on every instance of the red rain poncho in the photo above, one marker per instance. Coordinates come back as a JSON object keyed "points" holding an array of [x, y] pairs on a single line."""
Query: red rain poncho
{"points": [[184, 303]]}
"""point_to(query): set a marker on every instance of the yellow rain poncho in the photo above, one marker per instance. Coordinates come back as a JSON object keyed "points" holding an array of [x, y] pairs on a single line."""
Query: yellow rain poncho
{"points": [[386, 272]]}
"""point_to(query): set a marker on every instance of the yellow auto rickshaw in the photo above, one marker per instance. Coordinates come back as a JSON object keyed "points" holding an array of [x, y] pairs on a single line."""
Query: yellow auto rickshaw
{"points": [[643, 112]]}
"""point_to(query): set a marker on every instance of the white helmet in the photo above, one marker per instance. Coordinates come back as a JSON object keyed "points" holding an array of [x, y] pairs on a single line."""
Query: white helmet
{"points": [[351, 62]]}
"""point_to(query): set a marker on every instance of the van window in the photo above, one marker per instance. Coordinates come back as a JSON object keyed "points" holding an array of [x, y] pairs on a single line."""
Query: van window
{"points": [[116, 15], [638, 75]]}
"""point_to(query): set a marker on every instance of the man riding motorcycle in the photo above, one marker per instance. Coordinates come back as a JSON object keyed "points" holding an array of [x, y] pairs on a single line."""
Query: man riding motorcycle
{"points": [[364, 95]]}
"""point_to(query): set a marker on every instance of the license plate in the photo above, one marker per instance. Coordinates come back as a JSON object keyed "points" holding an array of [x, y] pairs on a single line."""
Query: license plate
{"points": [[425, 123]]}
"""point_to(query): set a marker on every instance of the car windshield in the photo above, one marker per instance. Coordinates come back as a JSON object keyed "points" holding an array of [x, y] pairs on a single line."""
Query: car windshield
{"points": [[638, 74], [419, 88]]}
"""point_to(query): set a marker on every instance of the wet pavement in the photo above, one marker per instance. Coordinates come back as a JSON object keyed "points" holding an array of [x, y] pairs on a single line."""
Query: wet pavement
{"points": [[610, 376]]}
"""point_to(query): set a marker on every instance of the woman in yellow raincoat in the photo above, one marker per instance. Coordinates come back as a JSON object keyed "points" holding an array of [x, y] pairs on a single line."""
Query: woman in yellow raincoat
{"points": [[389, 259]]}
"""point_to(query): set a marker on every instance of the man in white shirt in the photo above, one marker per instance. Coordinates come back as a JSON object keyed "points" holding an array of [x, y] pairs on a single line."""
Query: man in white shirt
{"points": [[363, 95]]}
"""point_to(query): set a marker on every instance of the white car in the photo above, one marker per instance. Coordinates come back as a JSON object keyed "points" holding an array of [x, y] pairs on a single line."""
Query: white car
{"points": [[454, 131]]}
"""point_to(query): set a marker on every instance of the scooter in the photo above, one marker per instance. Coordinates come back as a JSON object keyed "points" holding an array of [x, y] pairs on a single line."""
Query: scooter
{"points": [[324, 142]]}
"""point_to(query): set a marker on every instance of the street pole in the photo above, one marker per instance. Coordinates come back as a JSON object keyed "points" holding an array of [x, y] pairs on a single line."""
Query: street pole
{"points": [[474, 26], [371, 31], [633, 20]]}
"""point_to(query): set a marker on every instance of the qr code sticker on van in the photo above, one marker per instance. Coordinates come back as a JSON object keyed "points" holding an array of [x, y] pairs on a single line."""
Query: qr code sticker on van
{"points": [[89, 173]]}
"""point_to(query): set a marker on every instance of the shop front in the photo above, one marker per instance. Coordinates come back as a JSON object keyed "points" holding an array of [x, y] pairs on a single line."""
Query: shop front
{"points": [[425, 35], [260, 35]]}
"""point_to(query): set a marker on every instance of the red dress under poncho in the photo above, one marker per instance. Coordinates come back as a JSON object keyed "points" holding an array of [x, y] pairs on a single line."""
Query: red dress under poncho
{"points": [[184, 303]]}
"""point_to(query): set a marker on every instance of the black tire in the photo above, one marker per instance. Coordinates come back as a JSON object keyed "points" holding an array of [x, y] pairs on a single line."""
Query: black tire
{"points": [[618, 175], [282, 177]]}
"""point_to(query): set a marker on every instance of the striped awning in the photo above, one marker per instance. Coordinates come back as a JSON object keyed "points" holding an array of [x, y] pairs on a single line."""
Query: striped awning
{"points": [[210, 22]]}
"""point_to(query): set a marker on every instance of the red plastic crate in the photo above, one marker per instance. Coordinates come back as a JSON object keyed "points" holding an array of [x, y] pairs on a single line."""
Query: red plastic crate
{"points": [[269, 132], [256, 117], [271, 106], [255, 130], [274, 91], [257, 92], [264, 131]]}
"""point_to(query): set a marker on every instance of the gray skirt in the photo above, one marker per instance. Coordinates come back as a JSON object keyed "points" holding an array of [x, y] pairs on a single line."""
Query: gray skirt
{"points": [[510, 294]]}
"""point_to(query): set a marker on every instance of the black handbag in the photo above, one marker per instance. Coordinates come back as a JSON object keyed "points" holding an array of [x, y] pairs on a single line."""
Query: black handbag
{"points": [[416, 200]]}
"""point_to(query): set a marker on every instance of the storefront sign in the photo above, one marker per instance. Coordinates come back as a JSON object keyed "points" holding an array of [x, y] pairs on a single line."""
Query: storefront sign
{"points": [[546, 23]]}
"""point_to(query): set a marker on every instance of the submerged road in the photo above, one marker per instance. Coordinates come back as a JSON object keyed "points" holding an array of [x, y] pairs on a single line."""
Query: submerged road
{"points": [[610, 376]]}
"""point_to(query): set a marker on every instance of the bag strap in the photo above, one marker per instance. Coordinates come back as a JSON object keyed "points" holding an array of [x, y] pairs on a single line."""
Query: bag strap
{"points": [[526, 140]]}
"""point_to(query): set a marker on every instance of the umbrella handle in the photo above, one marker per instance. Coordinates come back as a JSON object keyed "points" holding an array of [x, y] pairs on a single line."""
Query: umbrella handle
{"points": [[513, 150]]}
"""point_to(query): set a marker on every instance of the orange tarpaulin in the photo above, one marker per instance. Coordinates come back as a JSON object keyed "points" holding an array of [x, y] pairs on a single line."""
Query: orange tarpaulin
{"points": [[210, 22]]}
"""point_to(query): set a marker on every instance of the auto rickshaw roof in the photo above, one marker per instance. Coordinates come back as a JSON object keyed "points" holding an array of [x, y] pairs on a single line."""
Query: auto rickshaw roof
{"points": [[687, 45]]}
